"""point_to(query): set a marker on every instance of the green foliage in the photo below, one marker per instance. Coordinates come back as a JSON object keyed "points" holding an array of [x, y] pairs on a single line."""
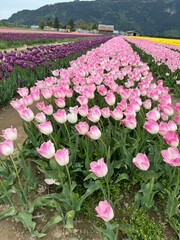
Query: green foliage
{"points": [[56, 23], [41, 24]]}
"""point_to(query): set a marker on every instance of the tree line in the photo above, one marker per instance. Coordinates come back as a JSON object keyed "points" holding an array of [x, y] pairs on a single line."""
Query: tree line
{"points": [[71, 24]]}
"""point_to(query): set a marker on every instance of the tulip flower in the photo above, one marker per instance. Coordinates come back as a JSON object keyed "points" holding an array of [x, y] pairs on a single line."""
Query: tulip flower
{"points": [[99, 168], [45, 127], [62, 156], [171, 156], [60, 116], [27, 114], [40, 117], [82, 128], [46, 149], [171, 138], [94, 133], [104, 211], [10, 133], [151, 126], [6, 147], [23, 91], [141, 161]]}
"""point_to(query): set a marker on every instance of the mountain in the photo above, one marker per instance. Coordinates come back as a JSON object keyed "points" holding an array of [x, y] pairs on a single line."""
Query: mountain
{"points": [[153, 17]]}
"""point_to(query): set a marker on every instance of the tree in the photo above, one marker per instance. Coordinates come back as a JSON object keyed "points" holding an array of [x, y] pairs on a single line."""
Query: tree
{"points": [[41, 24], [49, 22], [56, 23], [71, 24]]}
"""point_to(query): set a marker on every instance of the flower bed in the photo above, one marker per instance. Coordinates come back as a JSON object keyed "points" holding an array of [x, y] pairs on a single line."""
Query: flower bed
{"points": [[101, 121], [37, 62]]}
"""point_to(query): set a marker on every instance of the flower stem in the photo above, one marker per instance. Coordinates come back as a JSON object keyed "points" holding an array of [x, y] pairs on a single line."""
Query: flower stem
{"points": [[104, 146], [19, 180], [69, 178], [68, 134], [108, 188]]}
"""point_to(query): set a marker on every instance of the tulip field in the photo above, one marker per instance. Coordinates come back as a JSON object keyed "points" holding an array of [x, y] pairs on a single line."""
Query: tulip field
{"points": [[102, 138]]}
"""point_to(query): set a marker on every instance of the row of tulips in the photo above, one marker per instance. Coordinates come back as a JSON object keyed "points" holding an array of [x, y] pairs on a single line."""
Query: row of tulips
{"points": [[100, 120], [162, 55], [35, 63], [159, 69]]}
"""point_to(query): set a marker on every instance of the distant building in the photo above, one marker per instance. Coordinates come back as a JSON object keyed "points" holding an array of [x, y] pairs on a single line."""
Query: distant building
{"points": [[132, 33], [105, 28], [34, 27], [47, 28]]}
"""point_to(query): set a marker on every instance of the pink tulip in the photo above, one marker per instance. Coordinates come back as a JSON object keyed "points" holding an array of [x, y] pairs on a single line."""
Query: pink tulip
{"points": [[55, 72], [48, 110], [72, 117], [153, 115], [104, 211], [60, 116], [171, 138], [105, 112], [172, 126], [83, 100], [129, 122], [171, 156], [27, 114], [28, 100], [62, 156], [82, 128], [163, 128], [47, 93], [23, 91], [151, 126], [40, 117], [147, 104], [177, 120], [40, 105], [177, 107], [45, 127], [116, 114], [83, 110], [99, 168], [60, 102], [46, 149], [141, 161], [10, 133], [94, 133], [6, 147], [102, 90], [110, 98]]}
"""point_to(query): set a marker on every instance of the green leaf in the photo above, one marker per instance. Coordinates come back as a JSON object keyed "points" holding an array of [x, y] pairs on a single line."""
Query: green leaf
{"points": [[70, 219], [91, 176], [122, 176], [26, 219], [8, 213], [56, 219]]}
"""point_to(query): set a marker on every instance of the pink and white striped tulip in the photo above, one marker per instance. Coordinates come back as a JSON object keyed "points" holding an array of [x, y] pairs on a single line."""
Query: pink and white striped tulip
{"points": [[104, 211], [46, 149], [94, 133], [62, 156], [60, 102], [151, 126], [23, 91], [6, 147], [45, 127], [171, 138], [105, 112], [129, 122], [82, 128], [48, 110], [171, 156], [154, 114], [10, 133], [27, 114], [99, 168], [40, 117], [60, 116], [141, 161]]}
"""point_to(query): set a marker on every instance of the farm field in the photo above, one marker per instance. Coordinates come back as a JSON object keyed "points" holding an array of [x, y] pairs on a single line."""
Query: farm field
{"points": [[94, 143]]}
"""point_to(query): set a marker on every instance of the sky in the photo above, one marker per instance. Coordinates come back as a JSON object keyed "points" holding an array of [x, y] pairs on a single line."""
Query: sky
{"points": [[7, 8]]}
